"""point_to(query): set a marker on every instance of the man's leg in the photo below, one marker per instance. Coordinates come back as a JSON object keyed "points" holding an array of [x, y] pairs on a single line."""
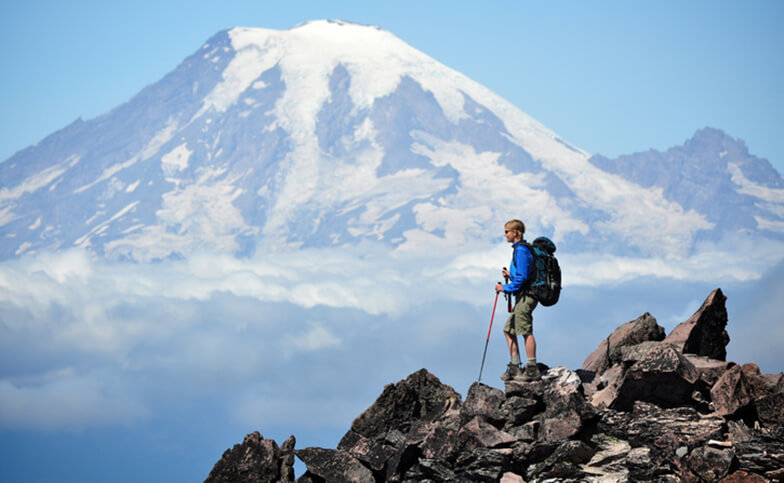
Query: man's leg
{"points": [[513, 368], [514, 349], [530, 346], [524, 313]]}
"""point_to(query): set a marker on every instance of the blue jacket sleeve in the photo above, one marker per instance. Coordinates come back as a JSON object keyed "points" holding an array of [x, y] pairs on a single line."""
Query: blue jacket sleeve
{"points": [[521, 259]]}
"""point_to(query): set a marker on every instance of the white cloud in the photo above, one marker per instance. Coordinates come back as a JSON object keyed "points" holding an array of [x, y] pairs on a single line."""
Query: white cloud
{"points": [[313, 338], [113, 342]]}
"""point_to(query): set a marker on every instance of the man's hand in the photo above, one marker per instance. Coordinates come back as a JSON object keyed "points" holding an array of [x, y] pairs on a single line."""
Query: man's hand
{"points": [[499, 287], [505, 272]]}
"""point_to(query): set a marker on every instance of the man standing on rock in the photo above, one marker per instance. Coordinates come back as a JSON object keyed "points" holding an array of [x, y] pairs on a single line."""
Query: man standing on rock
{"points": [[520, 321]]}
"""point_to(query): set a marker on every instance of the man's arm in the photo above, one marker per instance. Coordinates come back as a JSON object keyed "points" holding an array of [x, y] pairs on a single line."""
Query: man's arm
{"points": [[522, 257]]}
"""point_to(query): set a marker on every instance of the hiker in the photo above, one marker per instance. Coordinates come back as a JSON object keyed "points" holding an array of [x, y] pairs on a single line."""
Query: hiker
{"points": [[520, 321]]}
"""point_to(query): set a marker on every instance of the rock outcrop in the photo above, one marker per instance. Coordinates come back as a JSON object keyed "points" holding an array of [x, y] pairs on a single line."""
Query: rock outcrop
{"points": [[255, 460], [644, 407]]}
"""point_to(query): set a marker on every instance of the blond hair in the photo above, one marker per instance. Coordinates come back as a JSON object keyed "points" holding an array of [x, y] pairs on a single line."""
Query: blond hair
{"points": [[516, 225]]}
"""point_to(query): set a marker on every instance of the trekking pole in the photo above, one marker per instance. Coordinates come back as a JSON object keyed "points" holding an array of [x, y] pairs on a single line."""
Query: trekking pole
{"points": [[488, 338], [508, 296]]}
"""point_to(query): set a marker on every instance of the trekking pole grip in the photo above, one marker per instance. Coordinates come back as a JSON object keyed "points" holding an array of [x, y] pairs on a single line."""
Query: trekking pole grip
{"points": [[508, 295]]}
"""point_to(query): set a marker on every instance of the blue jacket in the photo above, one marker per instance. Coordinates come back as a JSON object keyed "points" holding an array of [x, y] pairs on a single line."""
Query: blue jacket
{"points": [[518, 269]]}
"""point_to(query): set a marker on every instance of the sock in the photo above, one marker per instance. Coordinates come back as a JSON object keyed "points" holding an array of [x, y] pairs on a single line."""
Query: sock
{"points": [[532, 362], [515, 360]]}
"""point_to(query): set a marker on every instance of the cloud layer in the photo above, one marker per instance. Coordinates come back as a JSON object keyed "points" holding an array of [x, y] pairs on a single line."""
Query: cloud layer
{"points": [[301, 339]]}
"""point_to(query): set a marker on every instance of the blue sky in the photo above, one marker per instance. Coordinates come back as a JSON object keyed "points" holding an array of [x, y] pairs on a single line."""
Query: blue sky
{"points": [[611, 77], [123, 372]]}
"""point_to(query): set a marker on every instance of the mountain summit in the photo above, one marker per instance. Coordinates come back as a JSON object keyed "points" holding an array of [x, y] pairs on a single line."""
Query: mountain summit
{"points": [[642, 408], [331, 134]]}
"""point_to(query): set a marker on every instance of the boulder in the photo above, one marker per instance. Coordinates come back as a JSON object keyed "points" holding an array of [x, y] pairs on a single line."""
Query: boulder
{"points": [[609, 460], [420, 397], [334, 465], [663, 430], [629, 354], [710, 464], [742, 477], [731, 392], [255, 460], [610, 380], [762, 454], [565, 409], [430, 470], [640, 465], [287, 460], [510, 477], [710, 370], [518, 410], [664, 376], [644, 328], [372, 453], [528, 432], [770, 409], [564, 462], [483, 401], [479, 434], [481, 464], [528, 389], [705, 332], [562, 426], [442, 440], [561, 376]]}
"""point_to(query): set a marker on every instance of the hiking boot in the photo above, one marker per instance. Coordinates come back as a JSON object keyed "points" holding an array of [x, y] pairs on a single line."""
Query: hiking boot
{"points": [[512, 372], [530, 373]]}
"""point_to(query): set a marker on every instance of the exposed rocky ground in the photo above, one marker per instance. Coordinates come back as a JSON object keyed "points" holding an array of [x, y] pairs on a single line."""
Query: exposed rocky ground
{"points": [[645, 406]]}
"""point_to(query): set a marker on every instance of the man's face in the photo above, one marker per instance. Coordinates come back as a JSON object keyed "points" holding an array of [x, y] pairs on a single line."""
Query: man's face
{"points": [[509, 234]]}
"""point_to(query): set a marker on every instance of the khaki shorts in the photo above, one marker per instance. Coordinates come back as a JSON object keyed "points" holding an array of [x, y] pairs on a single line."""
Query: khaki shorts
{"points": [[521, 320]]}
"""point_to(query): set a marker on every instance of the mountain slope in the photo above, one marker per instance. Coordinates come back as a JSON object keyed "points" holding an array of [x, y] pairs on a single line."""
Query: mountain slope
{"points": [[326, 134], [713, 174]]}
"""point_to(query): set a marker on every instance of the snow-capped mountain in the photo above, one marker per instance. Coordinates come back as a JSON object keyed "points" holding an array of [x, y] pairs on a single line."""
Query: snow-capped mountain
{"points": [[712, 174], [332, 133]]}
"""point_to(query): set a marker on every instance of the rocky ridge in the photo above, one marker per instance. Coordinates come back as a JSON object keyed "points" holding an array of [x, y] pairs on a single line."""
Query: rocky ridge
{"points": [[645, 406]]}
